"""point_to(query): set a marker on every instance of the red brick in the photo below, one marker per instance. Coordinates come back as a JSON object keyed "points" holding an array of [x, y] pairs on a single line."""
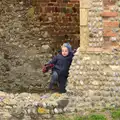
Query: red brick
{"points": [[109, 34], [108, 2], [57, 9], [111, 24], [74, 1], [109, 14], [50, 4], [53, 0], [69, 5]]}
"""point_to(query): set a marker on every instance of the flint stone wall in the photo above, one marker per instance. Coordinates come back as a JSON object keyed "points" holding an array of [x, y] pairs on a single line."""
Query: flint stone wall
{"points": [[24, 49], [94, 77], [94, 81]]}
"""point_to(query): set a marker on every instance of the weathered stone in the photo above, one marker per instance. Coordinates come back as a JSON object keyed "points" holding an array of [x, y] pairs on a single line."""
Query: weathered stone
{"points": [[84, 4], [83, 17], [26, 39], [97, 81], [45, 34], [45, 48]]}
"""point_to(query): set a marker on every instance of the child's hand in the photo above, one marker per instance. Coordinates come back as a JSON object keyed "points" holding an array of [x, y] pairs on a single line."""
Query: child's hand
{"points": [[47, 67], [44, 69], [51, 65]]}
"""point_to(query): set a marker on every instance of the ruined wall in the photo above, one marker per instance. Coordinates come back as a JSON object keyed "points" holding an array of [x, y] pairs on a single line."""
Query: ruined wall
{"points": [[94, 75], [22, 49], [94, 81], [61, 18], [27, 39]]}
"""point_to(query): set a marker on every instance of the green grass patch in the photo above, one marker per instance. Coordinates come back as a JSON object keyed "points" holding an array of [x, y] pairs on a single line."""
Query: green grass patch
{"points": [[61, 117], [115, 114], [71, 118], [90, 117], [97, 117], [79, 118]]}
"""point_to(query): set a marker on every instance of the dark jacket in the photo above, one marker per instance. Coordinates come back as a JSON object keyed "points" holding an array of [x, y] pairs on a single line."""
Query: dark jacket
{"points": [[62, 64]]}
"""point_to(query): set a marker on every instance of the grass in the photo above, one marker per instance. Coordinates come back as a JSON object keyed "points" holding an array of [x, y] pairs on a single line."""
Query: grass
{"points": [[97, 117], [111, 114], [90, 117], [116, 114]]}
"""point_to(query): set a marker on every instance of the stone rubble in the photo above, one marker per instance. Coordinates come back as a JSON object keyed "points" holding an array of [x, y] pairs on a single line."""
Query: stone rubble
{"points": [[27, 106]]}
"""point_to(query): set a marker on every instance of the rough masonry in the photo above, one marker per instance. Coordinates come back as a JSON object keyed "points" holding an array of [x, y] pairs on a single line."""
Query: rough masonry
{"points": [[30, 34], [94, 76]]}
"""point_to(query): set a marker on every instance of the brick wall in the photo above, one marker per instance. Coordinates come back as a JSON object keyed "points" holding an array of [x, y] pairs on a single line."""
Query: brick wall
{"points": [[61, 18], [111, 24]]}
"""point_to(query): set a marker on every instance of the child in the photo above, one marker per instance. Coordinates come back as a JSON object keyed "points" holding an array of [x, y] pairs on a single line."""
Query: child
{"points": [[61, 64]]}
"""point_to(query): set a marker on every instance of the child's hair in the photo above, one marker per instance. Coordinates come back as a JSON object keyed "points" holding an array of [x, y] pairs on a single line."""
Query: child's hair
{"points": [[68, 46]]}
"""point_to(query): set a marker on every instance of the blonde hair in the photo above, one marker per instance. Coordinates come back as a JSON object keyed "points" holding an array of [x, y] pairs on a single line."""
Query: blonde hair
{"points": [[68, 46]]}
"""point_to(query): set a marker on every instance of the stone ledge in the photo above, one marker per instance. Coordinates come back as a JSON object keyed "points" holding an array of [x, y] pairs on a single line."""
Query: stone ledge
{"points": [[102, 50]]}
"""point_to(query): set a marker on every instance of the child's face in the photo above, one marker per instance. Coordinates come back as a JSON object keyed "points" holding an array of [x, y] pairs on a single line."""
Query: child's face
{"points": [[65, 51]]}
